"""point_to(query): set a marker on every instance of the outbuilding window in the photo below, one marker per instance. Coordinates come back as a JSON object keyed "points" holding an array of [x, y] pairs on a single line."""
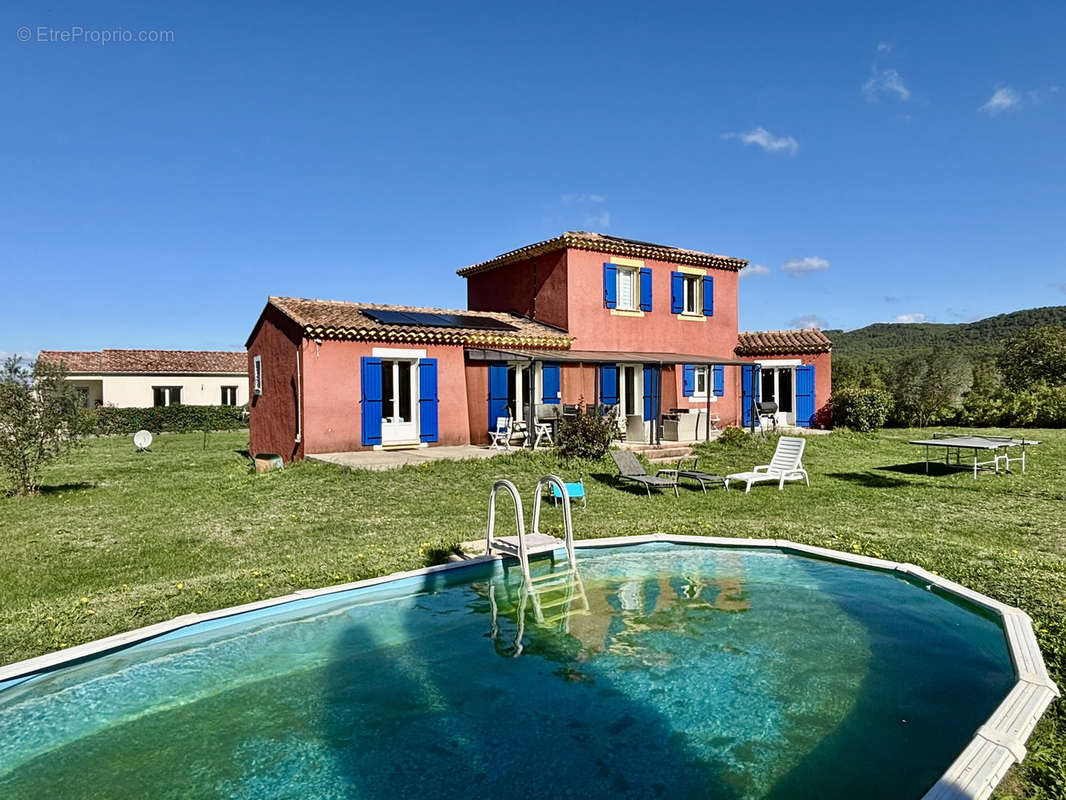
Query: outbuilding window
{"points": [[257, 374], [229, 395]]}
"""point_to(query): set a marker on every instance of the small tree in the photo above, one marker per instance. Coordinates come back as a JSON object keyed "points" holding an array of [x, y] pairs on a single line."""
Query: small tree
{"points": [[41, 417], [1036, 356], [587, 435]]}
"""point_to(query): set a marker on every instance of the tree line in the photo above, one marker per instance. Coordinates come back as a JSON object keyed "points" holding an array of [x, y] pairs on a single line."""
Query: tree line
{"points": [[1022, 383]]}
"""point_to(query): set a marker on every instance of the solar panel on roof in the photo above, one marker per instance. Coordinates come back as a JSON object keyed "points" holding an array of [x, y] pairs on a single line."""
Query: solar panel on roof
{"points": [[425, 319]]}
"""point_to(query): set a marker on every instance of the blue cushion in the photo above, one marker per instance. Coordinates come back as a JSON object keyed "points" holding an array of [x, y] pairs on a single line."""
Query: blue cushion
{"points": [[572, 489]]}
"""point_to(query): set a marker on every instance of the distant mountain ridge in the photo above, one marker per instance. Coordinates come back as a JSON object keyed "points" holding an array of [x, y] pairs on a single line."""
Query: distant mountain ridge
{"points": [[979, 339]]}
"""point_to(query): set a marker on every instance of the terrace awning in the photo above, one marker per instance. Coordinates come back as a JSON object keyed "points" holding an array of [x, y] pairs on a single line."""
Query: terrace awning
{"points": [[599, 357]]}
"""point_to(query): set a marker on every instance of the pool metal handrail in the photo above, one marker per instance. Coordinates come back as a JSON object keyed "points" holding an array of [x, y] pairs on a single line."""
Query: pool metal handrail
{"points": [[523, 545]]}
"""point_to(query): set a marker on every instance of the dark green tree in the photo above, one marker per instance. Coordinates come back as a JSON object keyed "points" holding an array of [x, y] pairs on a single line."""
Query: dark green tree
{"points": [[1035, 356]]}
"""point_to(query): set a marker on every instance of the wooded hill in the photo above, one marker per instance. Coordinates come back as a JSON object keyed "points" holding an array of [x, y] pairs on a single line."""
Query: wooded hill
{"points": [[977, 340]]}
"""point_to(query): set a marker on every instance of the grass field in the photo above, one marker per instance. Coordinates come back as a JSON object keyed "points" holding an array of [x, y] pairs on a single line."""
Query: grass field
{"points": [[119, 539]]}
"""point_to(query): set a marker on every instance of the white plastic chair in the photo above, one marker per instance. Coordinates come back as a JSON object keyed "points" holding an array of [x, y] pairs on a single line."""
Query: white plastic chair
{"points": [[786, 465], [543, 432], [502, 434]]}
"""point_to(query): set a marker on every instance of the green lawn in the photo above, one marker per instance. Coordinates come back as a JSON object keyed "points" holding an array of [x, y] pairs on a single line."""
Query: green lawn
{"points": [[120, 539]]}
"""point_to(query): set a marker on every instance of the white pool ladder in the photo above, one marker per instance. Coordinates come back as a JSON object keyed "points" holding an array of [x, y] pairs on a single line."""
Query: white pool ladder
{"points": [[562, 589], [524, 545]]}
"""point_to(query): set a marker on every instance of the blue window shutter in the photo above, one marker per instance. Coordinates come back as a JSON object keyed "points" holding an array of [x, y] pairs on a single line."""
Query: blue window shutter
{"points": [[645, 289], [370, 381], [550, 384], [677, 292], [497, 392], [748, 401], [688, 380], [610, 285], [708, 295], [609, 385], [651, 393], [805, 396], [719, 380], [427, 400]]}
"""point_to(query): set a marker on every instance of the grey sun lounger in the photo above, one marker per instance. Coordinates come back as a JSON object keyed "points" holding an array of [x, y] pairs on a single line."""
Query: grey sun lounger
{"points": [[630, 469], [694, 473]]}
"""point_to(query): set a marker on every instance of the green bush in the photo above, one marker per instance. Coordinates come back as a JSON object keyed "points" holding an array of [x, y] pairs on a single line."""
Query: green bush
{"points": [[733, 436], [587, 435], [1042, 406], [862, 410], [172, 419]]}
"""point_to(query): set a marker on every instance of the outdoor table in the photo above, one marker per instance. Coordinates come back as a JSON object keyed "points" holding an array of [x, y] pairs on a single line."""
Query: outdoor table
{"points": [[979, 446]]}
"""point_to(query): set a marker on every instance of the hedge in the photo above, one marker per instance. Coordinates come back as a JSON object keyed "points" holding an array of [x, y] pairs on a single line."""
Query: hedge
{"points": [[862, 410], [173, 419]]}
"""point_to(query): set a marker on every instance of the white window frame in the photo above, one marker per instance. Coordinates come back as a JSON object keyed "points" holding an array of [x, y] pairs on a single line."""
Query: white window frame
{"points": [[257, 375], [692, 295], [168, 395], [701, 376], [231, 390], [631, 274]]}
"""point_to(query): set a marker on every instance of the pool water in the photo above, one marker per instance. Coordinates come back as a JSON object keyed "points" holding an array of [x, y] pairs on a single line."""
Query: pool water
{"points": [[696, 672]]}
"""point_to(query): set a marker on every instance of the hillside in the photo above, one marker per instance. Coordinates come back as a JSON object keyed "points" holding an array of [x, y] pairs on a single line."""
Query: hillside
{"points": [[979, 339]]}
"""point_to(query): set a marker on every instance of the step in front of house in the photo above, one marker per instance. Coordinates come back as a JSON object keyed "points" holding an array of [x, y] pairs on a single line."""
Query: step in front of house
{"points": [[668, 459]]}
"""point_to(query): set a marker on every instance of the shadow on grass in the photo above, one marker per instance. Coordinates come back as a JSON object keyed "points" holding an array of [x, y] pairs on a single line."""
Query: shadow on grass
{"points": [[869, 479], [628, 487], [66, 487], [918, 468]]}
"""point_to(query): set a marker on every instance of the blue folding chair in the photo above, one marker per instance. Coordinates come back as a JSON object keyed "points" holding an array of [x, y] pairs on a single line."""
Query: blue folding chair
{"points": [[573, 490]]}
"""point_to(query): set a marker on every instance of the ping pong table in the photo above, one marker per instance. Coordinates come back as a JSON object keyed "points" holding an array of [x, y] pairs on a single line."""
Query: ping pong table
{"points": [[980, 446]]}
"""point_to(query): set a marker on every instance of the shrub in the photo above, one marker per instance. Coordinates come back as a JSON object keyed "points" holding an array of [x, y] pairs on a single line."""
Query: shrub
{"points": [[173, 419], [862, 410], [587, 435], [41, 418], [733, 436]]}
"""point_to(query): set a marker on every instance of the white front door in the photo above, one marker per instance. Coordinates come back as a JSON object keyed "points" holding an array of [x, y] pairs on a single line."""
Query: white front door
{"points": [[399, 401], [779, 386]]}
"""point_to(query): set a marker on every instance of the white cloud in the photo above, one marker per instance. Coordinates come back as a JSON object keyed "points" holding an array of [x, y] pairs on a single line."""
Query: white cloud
{"points": [[884, 81], [602, 220], [798, 267], [908, 319], [809, 321], [754, 269], [1009, 99], [766, 140], [1005, 99], [581, 199]]}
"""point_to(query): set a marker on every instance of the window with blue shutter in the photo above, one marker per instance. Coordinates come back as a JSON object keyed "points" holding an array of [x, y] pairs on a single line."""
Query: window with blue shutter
{"points": [[719, 380], [550, 384], [645, 289], [609, 385], [708, 295], [610, 285], [677, 292], [497, 392], [651, 393], [688, 380], [427, 400], [370, 382], [805, 396]]}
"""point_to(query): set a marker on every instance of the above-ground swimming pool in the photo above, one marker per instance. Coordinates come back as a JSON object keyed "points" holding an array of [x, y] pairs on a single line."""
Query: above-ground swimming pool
{"points": [[696, 671]]}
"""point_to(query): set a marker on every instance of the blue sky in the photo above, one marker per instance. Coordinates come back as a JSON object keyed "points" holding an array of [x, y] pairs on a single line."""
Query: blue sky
{"points": [[903, 160]]}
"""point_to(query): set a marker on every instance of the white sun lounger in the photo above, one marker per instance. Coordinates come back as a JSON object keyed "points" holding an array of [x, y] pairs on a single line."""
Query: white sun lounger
{"points": [[786, 465]]}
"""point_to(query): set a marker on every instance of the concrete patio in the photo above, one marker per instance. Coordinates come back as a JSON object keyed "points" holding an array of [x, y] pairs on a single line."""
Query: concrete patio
{"points": [[391, 459]]}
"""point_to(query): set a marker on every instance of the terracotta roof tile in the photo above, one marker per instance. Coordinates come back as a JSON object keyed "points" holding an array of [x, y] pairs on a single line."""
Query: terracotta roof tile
{"points": [[330, 319], [615, 245], [766, 343], [149, 361]]}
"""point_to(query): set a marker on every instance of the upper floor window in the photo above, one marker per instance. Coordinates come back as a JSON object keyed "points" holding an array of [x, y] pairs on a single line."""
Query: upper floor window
{"points": [[229, 395], [626, 287], [692, 294], [166, 395], [691, 291]]}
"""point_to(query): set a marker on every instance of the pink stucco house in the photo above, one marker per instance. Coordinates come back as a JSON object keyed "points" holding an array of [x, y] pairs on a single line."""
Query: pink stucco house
{"points": [[582, 318]]}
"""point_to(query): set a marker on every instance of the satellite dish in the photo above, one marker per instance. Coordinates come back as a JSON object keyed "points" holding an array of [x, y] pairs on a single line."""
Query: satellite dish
{"points": [[142, 440]]}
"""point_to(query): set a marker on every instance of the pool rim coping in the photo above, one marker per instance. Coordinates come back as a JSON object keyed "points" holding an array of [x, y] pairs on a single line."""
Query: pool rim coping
{"points": [[996, 745]]}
